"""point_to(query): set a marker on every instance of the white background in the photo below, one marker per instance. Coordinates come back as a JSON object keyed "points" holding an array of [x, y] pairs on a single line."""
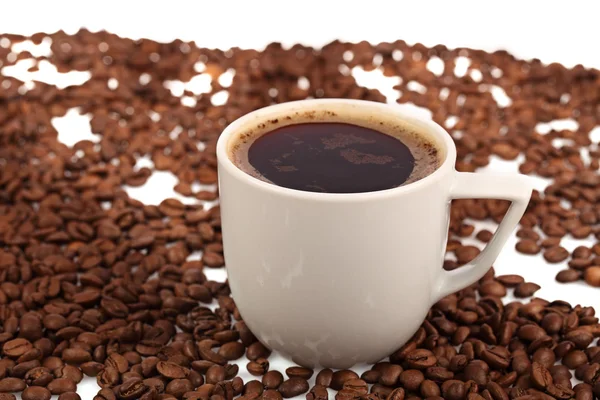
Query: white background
{"points": [[552, 31]]}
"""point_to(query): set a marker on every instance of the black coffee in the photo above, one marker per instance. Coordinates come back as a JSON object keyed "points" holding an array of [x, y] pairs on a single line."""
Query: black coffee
{"points": [[335, 157]]}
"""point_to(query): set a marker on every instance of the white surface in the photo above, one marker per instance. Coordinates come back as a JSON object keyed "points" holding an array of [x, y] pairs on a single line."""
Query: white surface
{"points": [[552, 31]]}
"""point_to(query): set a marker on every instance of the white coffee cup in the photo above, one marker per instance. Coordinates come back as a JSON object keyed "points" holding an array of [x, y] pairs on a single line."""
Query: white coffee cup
{"points": [[337, 279]]}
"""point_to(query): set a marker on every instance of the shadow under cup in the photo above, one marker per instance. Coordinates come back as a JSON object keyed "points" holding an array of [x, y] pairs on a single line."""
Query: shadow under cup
{"points": [[333, 279]]}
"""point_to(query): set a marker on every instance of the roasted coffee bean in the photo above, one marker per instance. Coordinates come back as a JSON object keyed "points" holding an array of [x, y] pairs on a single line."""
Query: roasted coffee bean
{"points": [[555, 254], [545, 357], [36, 393], [177, 387], [271, 395], [340, 377], [528, 246], [474, 372], [510, 280], [592, 276], [232, 350], [215, 374], [258, 367], [411, 379], [253, 386], [62, 385], [378, 390], [526, 289], [257, 350], [574, 359], [11, 385], [172, 370], [76, 356], [584, 393], [206, 390], [389, 374], [272, 379], [39, 376], [73, 396], [484, 235], [69, 372], [496, 391], [438, 374], [293, 387], [17, 347], [356, 385], [91, 368], [458, 363], [568, 275], [324, 377], [371, 376], [318, 392], [492, 288], [496, 358], [579, 337], [429, 389], [540, 376], [231, 370], [421, 359], [345, 394], [455, 391], [465, 254], [560, 392], [396, 394], [299, 372], [132, 389]]}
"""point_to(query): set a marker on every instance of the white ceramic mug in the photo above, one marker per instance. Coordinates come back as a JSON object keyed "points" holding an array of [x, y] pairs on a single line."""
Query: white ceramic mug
{"points": [[338, 279]]}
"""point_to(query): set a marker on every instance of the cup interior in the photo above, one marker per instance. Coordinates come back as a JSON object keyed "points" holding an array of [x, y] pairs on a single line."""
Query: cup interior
{"points": [[379, 116]]}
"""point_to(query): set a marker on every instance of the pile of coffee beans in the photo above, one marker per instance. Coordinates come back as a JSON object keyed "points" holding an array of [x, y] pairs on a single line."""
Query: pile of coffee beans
{"points": [[95, 283]]}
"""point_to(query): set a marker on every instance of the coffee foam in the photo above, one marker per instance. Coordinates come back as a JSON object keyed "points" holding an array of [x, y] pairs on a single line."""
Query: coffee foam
{"points": [[428, 154]]}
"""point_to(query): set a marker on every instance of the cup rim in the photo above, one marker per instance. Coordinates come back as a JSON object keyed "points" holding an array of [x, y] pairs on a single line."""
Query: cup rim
{"points": [[263, 114]]}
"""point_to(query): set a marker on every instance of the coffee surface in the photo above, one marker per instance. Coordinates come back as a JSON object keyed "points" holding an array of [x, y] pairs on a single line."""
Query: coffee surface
{"points": [[336, 157]]}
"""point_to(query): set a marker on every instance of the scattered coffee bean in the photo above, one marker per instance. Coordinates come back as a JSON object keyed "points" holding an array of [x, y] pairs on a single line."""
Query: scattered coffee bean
{"points": [[356, 385], [11, 385], [258, 367], [592, 276], [36, 393], [340, 377], [526, 289], [318, 392], [253, 386], [555, 254], [528, 246], [69, 396], [389, 375], [574, 359], [62, 385], [177, 387], [484, 235], [324, 377], [272, 379], [568, 275], [510, 280], [396, 394], [271, 395], [299, 372], [411, 379], [293, 387]]}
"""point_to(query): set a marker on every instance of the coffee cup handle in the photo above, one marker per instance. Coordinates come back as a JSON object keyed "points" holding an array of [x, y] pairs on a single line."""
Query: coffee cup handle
{"points": [[516, 188]]}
